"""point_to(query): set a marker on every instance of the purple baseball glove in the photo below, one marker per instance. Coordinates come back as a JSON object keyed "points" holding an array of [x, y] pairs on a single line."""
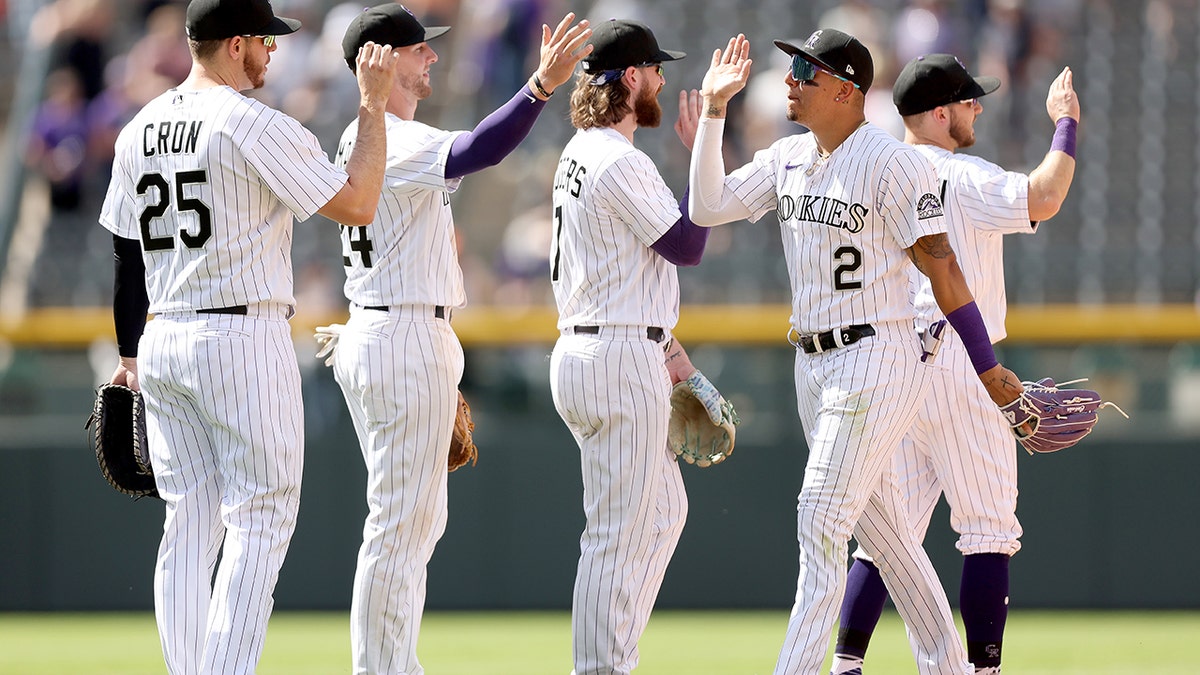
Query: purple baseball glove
{"points": [[1046, 418]]}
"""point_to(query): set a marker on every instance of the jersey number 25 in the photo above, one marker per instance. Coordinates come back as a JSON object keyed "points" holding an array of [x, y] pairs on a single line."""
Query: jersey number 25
{"points": [[156, 209]]}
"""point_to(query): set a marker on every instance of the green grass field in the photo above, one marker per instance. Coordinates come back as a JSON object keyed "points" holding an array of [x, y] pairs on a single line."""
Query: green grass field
{"points": [[533, 643]]}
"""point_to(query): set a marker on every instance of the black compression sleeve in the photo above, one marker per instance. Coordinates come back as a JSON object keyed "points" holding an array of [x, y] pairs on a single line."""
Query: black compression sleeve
{"points": [[130, 301]]}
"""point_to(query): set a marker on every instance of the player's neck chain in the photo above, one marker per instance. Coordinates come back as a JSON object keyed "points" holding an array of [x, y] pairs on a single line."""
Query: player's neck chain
{"points": [[822, 155]]}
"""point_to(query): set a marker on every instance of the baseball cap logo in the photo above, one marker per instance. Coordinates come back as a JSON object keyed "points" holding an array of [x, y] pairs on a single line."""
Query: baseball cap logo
{"points": [[813, 39]]}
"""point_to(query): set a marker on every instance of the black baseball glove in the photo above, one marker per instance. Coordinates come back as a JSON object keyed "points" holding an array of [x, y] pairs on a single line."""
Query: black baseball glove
{"points": [[118, 426]]}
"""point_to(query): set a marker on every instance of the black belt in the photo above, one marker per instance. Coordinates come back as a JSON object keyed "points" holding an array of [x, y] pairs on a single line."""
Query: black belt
{"points": [[822, 342], [439, 311], [652, 332], [236, 309]]}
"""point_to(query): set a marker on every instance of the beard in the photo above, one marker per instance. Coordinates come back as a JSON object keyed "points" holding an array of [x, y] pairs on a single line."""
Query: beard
{"points": [[962, 132], [255, 71], [646, 110], [417, 85]]}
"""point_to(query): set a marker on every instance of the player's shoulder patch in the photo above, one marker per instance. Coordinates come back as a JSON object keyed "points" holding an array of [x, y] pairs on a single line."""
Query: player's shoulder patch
{"points": [[928, 206]]}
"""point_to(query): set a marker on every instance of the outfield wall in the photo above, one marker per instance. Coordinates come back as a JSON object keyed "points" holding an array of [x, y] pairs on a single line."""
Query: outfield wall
{"points": [[1108, 524]]}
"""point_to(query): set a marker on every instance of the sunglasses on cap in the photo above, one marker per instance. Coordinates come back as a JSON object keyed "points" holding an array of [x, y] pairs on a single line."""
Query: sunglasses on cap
{"points": [[267, 40], [804, 70]]}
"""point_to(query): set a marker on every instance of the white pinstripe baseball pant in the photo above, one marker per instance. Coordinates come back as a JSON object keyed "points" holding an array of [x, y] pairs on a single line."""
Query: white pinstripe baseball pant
{"points": [[961, 444], [399, 371], [614, 396], [855, 404], [225, 427]]}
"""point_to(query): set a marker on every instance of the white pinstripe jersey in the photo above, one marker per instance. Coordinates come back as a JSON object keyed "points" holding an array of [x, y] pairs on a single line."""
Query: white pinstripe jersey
{"points": [[610, 206], [209, 181], [846, 226], [407, 255], [983, 203]]}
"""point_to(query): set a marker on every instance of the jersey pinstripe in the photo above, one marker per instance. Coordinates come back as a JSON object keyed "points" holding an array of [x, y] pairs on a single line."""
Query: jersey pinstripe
{"points": [[210, 181], [610, 205], [845, 221], [399, 372], [612, 390], [973, 464], [407, 255], [983, 203]]}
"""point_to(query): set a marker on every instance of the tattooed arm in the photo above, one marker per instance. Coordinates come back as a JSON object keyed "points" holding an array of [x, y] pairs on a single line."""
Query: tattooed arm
{"points": [[679, 366], [934, 257]]}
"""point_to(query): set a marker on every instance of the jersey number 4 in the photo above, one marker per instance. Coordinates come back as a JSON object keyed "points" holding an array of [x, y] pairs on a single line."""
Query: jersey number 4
{"points": [[355, 240], [183, 203]]}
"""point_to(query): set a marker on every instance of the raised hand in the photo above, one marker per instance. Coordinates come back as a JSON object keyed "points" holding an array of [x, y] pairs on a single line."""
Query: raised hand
{"points": [[375, 69], [727, 75], [562, 49], [690, 106], [1062, 101]]}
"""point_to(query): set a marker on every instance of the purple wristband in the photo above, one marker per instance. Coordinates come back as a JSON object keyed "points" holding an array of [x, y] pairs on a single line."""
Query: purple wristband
{"points": [[1064, 136], [968, 323]]}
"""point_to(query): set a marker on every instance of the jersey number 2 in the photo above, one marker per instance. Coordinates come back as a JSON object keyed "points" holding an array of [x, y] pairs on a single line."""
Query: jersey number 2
{"points": [[850, 260], [157, 209]]}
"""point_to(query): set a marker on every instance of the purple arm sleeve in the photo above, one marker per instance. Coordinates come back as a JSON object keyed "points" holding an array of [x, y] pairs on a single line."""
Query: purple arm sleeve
{"points": [[130, 301], [496, 136], [683, 244], [968, 323]]}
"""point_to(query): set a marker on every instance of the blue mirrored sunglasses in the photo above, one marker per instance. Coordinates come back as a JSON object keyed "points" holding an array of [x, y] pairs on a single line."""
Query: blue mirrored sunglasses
{"points": [[804, 70]]}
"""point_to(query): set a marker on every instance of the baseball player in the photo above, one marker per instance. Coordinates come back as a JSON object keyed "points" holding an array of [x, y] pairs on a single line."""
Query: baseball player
{"points": [[205, 185], [618, 236], [855, 206], [398, 361], [959, 444]]}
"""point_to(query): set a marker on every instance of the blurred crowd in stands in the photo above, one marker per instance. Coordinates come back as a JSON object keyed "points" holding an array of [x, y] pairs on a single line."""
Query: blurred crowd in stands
{"points": [[106, 58]]}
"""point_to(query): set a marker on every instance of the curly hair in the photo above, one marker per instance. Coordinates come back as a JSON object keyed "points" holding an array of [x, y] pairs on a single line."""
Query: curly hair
{"points": [[600, 105]]}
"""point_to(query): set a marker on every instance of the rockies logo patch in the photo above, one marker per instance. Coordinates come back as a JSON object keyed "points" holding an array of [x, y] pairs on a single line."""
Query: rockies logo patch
{"points": [[928, 206]]}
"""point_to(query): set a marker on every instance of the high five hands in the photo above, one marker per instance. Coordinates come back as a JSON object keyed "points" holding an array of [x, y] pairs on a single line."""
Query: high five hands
{"points": [[562, 50], [727, 75]]}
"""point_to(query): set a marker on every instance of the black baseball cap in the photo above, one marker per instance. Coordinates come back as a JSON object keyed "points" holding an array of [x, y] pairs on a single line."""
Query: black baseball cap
{"points": [[932, 80], [618, 43], [838, 53], [387, 24], [220, 19]]}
